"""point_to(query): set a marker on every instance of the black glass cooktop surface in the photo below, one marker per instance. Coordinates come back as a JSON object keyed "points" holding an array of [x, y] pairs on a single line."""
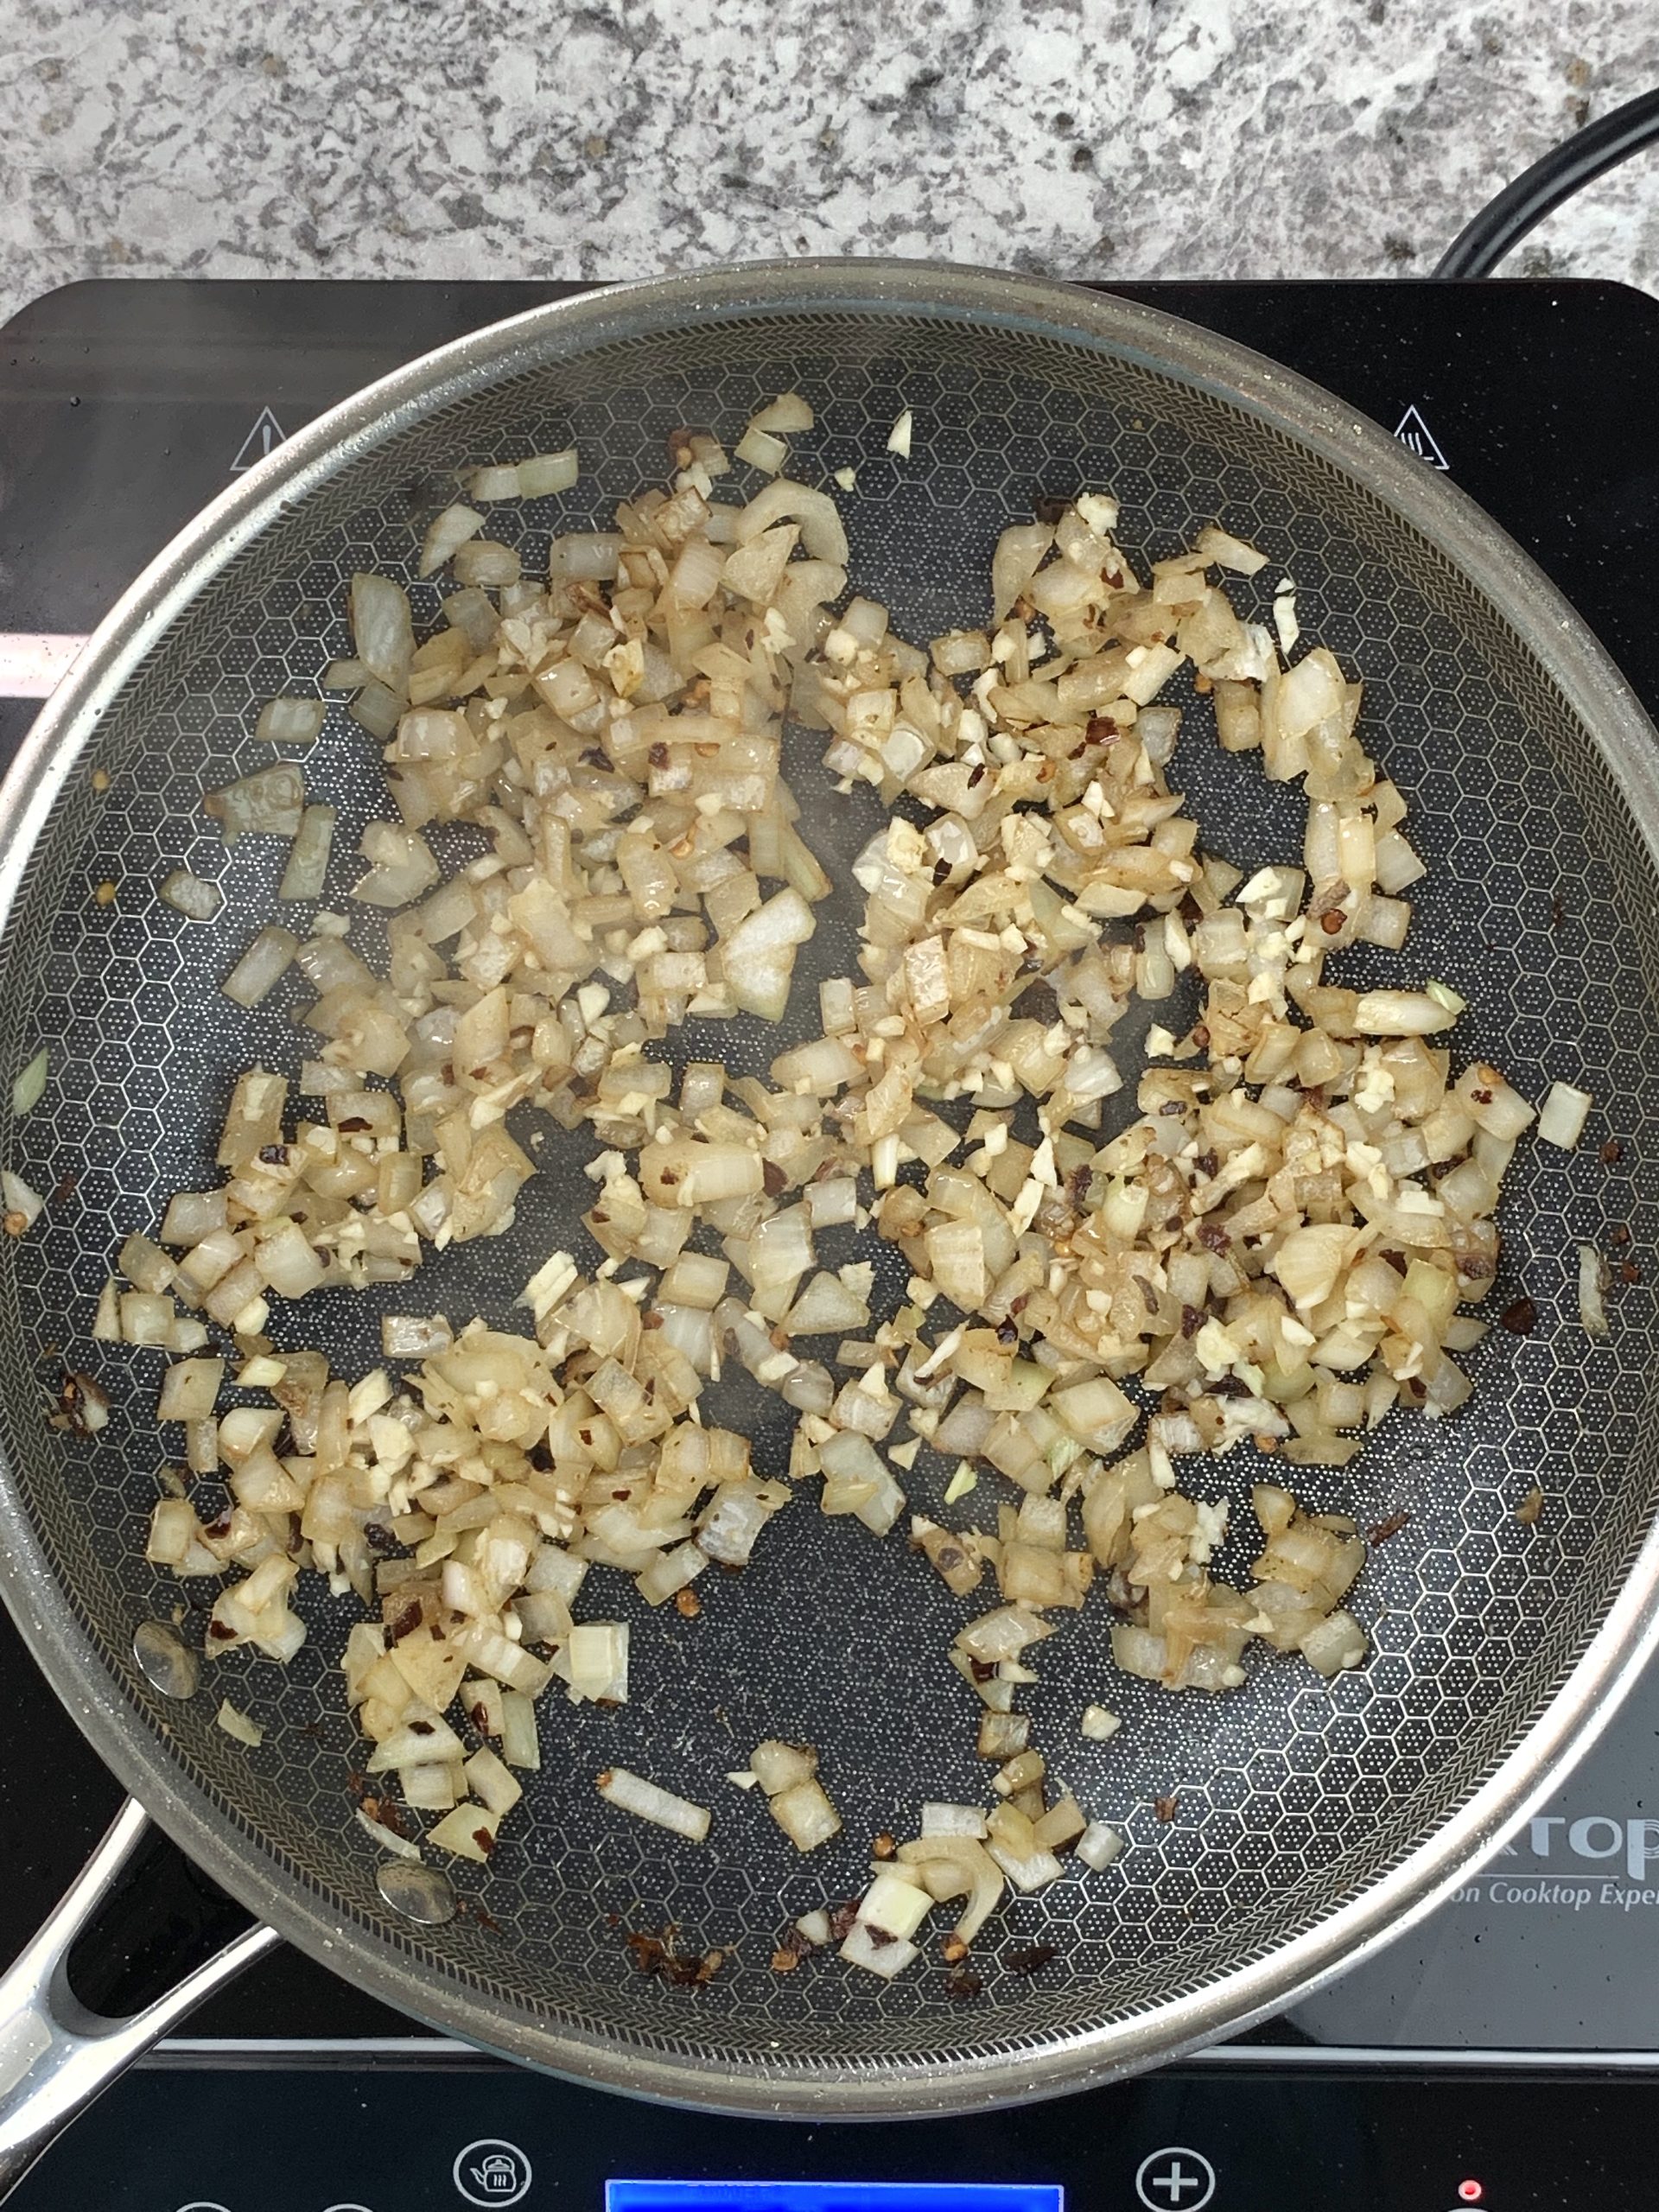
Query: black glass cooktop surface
{"points": [[124, 407]]}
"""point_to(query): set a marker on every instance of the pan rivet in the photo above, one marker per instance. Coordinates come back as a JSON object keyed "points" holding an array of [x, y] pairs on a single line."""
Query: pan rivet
{"points": [[418, 1892], [165, 1659]]}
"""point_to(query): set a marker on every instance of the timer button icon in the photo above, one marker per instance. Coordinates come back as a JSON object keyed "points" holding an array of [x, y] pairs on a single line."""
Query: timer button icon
{"points": [[492, 2172], [1175, 2180]]}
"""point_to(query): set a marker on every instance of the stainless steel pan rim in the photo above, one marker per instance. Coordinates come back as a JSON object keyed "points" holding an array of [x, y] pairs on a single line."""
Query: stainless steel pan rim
{"points": [[1586, 678]]}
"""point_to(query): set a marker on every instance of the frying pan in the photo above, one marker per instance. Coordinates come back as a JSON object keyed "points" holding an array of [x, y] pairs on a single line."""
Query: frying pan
{"points": [[1311, 1821]]}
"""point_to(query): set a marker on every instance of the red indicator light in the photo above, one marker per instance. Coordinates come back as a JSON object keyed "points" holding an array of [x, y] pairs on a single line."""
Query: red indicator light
{"points": [[1470, 2192]]}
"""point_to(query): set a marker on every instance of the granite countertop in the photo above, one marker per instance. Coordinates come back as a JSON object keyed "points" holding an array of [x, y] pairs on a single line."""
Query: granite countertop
{"points": [[1170, 138]]}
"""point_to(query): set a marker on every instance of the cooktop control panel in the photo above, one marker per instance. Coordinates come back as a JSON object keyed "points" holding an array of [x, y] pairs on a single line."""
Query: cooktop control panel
{"points": [[421, 2139]]}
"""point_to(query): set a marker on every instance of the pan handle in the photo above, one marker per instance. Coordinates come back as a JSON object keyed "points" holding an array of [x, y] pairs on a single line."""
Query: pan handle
{"points": [[55, 2056]]}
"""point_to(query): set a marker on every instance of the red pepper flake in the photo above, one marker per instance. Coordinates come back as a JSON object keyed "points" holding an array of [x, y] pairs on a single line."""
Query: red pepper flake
{"points": [[1167, 1807], [841, 1917], [1612, 1153], [657, 1955], [961, 1986], [1619, 1234], [1033, 1959], [1380, 1531], [1628, 1272], [1520, 1318]]}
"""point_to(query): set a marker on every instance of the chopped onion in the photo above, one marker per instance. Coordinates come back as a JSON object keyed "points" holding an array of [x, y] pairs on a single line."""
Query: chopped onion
{"points": [[382, 630], [290, 721], [399, 1846], [1099, 1847], [778, 1766], [467, 1833], [546, 473], [265, 963], [631, 1794], [30, 1087], [23, 1205], [239, 1725], [401, 866], [761, 450], [414, 1336], [1563, 1115], [892, 1906], [590, 556], [597, 1658], [822, 532], [805, 1814], [193, 897], [445, 533], [1592, 1277], [307, 869], [881, 1954], [969, 1858], [787, 413], [267, 803]]}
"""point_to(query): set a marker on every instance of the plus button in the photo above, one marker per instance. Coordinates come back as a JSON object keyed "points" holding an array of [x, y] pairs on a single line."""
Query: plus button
{"points": [[1175, 2180]]}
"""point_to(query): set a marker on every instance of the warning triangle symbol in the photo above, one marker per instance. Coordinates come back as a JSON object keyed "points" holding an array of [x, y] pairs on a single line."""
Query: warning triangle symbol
{"points": [[266, 433], [1416, 435]]}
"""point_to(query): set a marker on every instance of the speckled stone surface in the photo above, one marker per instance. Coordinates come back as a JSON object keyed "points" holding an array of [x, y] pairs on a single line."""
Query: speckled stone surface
{"points": [[474, 138]]}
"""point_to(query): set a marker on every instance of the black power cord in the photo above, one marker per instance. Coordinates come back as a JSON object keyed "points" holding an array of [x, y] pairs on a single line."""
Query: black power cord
{"points": [[1504, 221]]}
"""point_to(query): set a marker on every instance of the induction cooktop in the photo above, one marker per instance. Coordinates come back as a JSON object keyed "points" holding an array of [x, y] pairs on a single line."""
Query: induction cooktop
{"points": [[1505, 2053]]}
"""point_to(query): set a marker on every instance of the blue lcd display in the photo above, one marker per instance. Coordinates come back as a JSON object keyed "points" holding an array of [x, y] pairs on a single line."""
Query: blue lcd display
{"points": [[833, 2196]]}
